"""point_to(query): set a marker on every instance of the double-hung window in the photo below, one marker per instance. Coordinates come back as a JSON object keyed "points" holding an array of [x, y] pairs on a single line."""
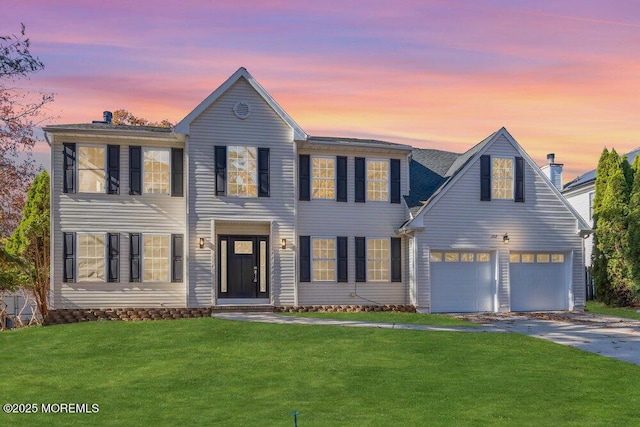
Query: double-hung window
{"points": [[156, 258], [377, 180], [323, 177], [156, 170], [91, 166], [378, 260], [502, 177], [242, 171], [323, 259], [91, 257]]}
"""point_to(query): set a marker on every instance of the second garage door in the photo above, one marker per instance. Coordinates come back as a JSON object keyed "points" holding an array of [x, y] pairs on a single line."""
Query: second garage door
{"points": [[462, 281], [539, 281]]}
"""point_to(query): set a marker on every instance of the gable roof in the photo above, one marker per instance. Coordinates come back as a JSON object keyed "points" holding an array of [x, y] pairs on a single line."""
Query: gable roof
{"points": [[461, 164], [590, 177], [183, 126]]}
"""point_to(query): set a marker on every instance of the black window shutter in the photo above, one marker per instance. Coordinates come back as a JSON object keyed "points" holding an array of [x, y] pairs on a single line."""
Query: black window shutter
{"points": [[135, 170], [69, 165], [263, 172], [360, 180], [135, 244], [113, 169], [485, 178], [113, 242], [341, 179], [69, 257], [396, 259], [305, 258], [343, 260], [361, 259], [177, 172], [177, 249], [221, 170], [395, 180], [519, 196], [304, 177]]}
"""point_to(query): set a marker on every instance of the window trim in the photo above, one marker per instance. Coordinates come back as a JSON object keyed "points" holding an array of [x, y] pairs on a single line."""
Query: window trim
{"points": [[367, 180], [334, 179], [513, 178], [105, 257], [105, 160], [335, 259]]}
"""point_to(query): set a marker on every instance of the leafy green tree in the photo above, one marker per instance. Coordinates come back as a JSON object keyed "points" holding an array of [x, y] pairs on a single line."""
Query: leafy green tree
{"points": [[31, 242], [20, 113]]}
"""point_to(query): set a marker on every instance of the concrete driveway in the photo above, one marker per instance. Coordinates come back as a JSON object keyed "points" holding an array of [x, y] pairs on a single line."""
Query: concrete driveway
{"points": [[608, 336]]}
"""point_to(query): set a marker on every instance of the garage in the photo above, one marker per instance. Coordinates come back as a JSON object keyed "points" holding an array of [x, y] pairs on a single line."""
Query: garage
{"points": [[462, 281], [539, 281]]}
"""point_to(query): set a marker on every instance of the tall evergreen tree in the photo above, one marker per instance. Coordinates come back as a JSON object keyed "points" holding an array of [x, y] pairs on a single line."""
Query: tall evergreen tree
{"points": [[612, 233], [598, 260], [633, 230]]}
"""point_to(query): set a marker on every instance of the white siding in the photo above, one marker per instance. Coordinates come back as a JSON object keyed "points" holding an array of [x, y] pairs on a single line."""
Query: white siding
{"points": [[374, 219], [579, 199], [263, 128], [109, 213], [460, 220]]}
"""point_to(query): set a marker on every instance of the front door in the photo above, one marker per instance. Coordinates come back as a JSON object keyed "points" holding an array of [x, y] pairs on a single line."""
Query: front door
{"points": [[243, 267]]}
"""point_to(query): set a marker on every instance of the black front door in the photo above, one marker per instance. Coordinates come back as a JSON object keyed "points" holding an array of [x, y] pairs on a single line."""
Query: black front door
{"points": [[243, 267]]}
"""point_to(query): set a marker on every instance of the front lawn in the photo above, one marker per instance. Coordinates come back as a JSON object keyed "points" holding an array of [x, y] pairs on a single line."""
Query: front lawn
{"points": [[390, 317], [225, 373], [624, 312]]}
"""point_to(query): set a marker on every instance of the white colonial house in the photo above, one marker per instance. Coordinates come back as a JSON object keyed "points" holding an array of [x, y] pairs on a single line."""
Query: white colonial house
{"points": [[237, 205]]}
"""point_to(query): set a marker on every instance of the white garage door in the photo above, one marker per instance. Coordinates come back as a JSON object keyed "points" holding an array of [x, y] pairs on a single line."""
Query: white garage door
{"points": [[462, 281], [539, 281]]}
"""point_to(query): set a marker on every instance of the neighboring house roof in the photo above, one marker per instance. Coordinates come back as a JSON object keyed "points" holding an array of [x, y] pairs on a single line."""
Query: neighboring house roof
{"points": [[430, 170], [422, 197], [357, 142], [589, 178], [183, 126]]}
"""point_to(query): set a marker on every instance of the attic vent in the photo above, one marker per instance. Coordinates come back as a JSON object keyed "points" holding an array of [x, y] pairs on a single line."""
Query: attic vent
{"points": [[242, 110]]}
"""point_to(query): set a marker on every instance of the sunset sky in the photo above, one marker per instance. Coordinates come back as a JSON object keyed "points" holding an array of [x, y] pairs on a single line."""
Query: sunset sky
{"points": [[561, 76]]}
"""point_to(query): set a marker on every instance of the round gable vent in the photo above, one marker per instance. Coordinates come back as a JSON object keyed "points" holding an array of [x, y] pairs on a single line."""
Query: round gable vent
{"points": [[242, 110]]}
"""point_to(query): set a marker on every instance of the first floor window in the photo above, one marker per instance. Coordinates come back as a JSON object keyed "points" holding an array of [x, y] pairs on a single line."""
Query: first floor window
{"points": [[324, 259], [91, 169], [157, 170], [378, 180], [242, 171], [156, 258], [91, 257], [378, 259]]}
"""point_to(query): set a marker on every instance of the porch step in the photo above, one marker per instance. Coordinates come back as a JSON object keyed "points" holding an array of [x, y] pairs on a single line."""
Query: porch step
{"points": [[242, 308]]}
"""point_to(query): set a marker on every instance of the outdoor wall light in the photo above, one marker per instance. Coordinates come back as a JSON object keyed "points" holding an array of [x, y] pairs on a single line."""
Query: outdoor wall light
{"points": [[283, 243], [505, 239], [201, 242]]}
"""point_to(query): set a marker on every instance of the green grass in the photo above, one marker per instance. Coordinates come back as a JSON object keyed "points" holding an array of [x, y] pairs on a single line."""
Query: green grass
{"points": [[600, 308], [224, 373], [390, 317]]}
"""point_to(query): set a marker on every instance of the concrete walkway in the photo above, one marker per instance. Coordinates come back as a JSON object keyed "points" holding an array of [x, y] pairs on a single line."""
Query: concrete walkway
{"points": [[608, 336]]}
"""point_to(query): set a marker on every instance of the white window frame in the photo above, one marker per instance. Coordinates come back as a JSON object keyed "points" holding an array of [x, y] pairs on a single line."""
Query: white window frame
{"points": [[493, 178], [143, 260], [370, 276], [367, 180], [104, 257], [335, 181], [104, 168], [144, 170], [256, 184], [334, 259], [592, 195]]}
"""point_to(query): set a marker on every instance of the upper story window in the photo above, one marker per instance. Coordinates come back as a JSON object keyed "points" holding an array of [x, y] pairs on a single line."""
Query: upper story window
{"points": [[323, 177], [91, 169], [157, 170], [378, 180], [242, 164], [502, 178]]}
